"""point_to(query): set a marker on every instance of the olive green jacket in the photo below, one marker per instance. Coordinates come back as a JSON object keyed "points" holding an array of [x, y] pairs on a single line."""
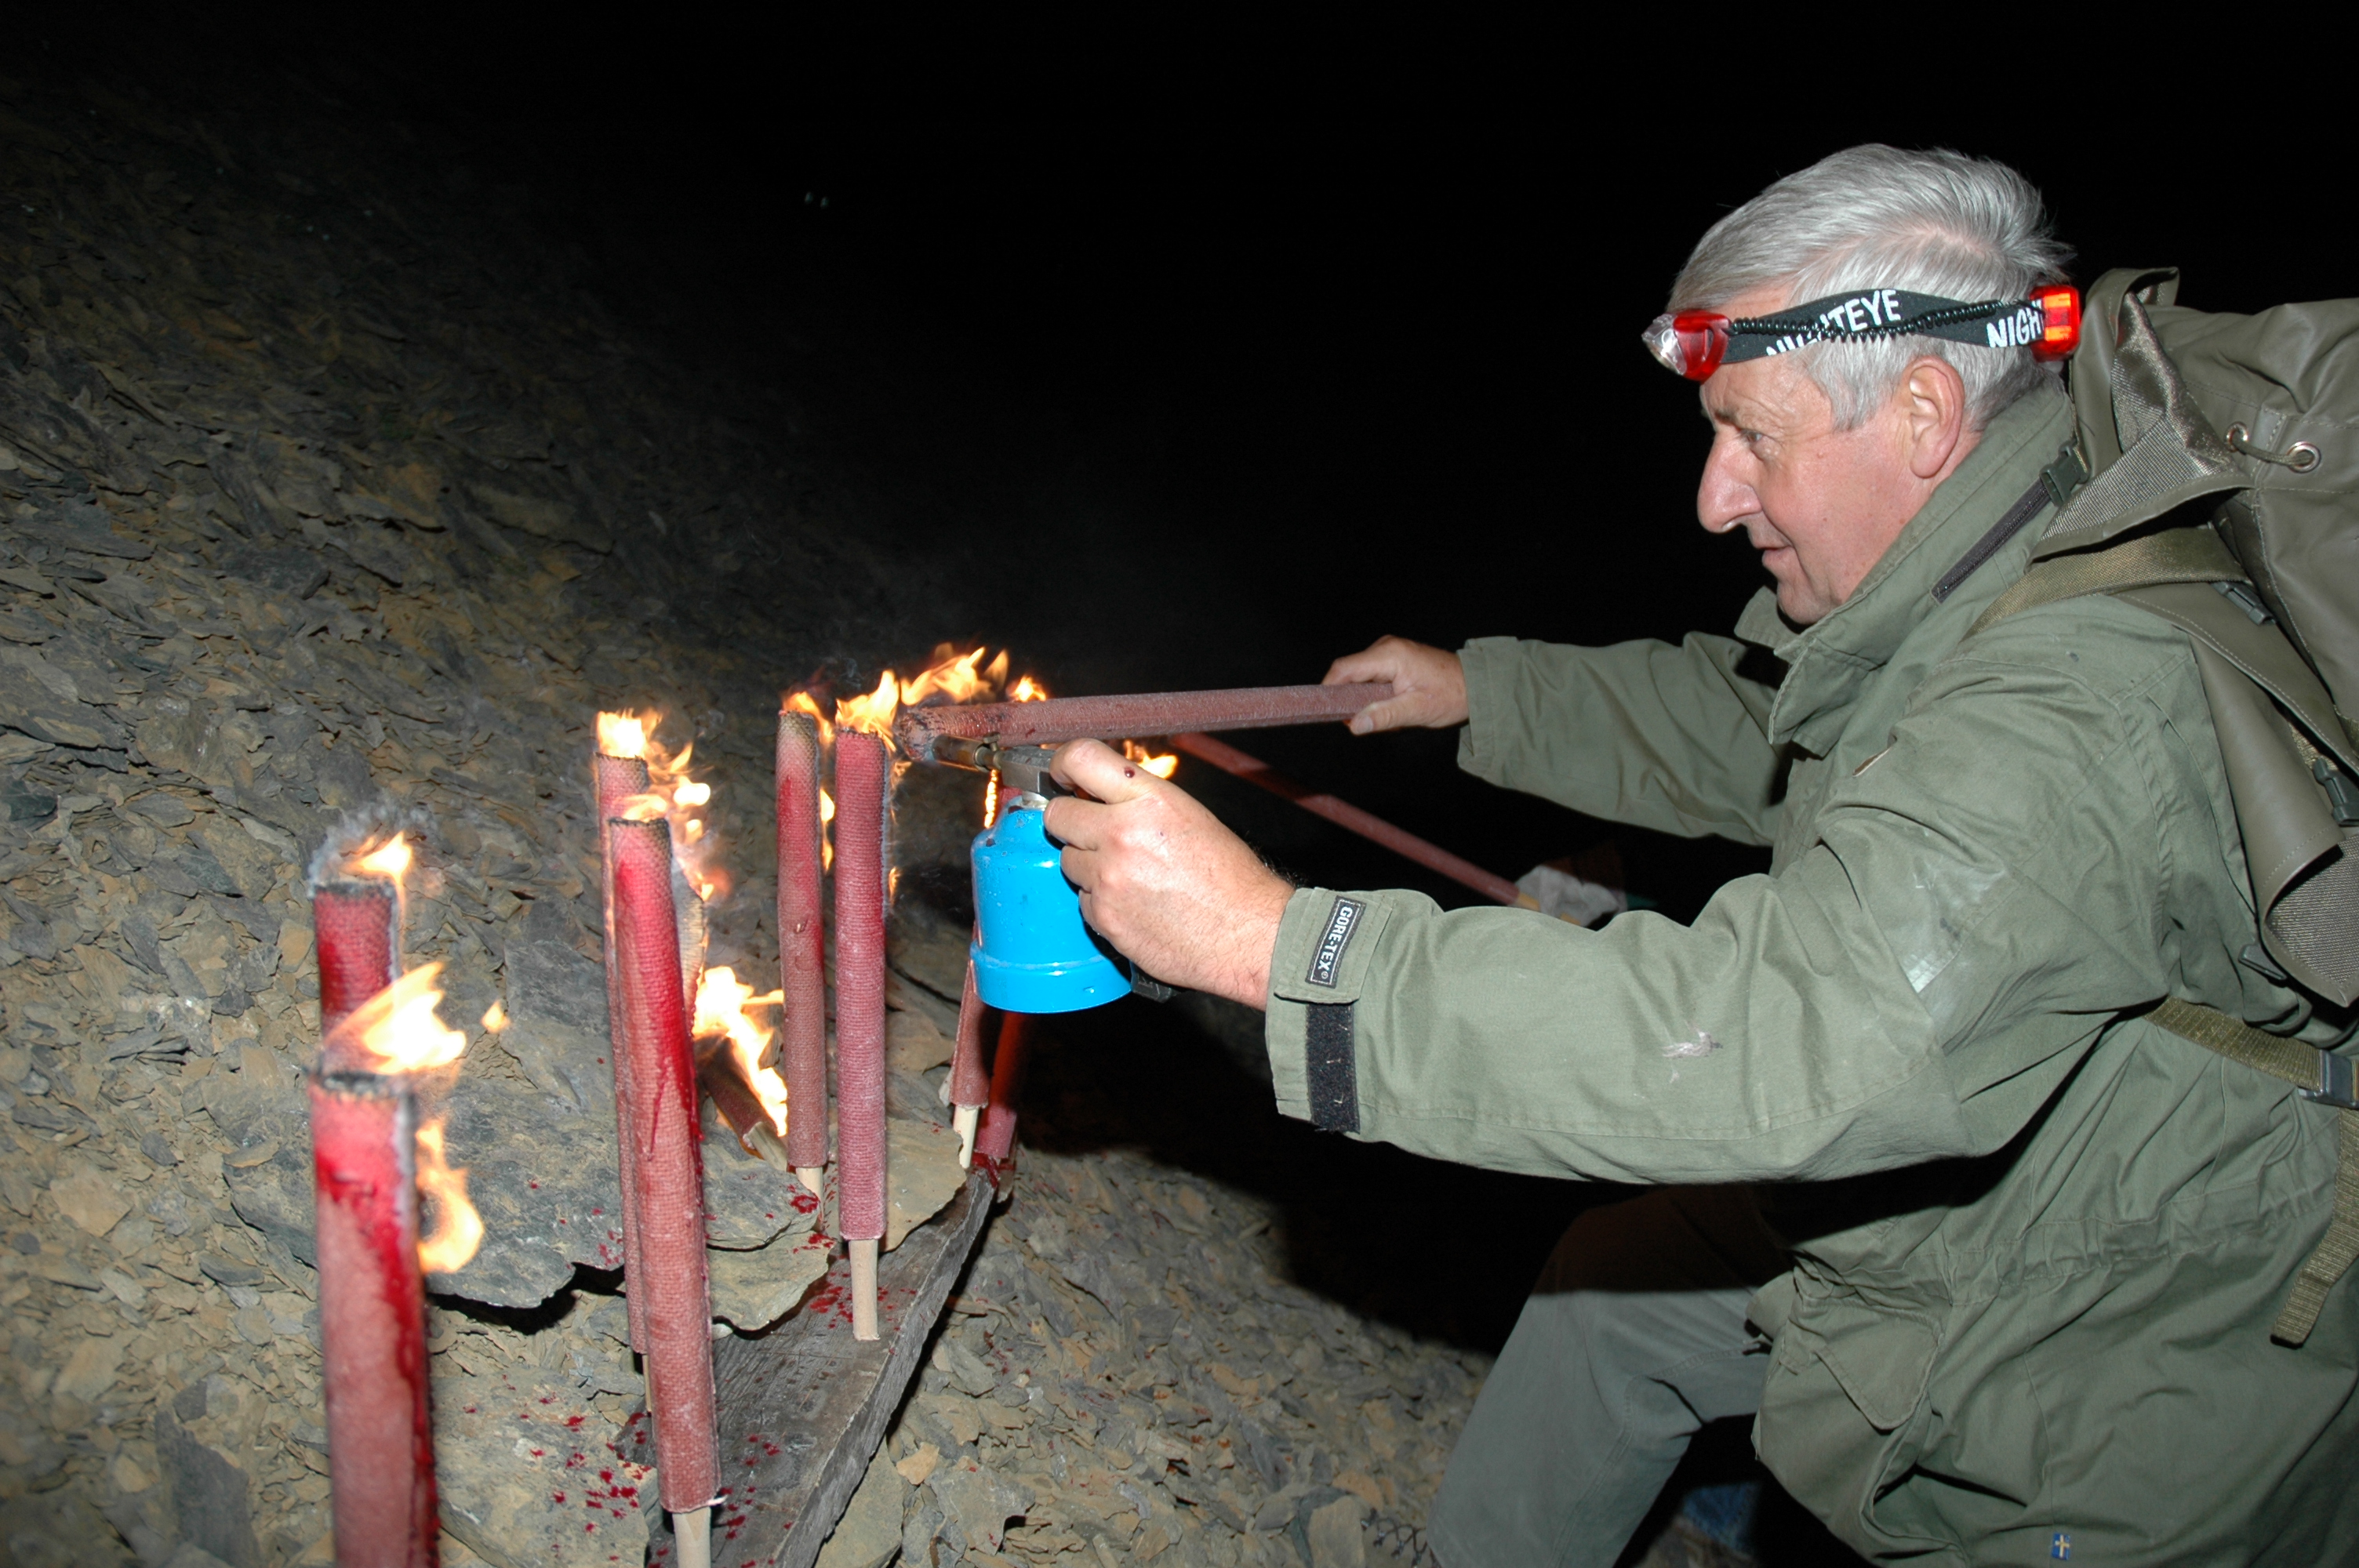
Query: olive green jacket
{"points": [[2043, 1242]]}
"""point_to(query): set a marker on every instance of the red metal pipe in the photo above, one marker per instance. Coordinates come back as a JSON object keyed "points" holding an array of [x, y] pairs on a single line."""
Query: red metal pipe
{"points": [[997, 1140], [1062, 718], [373, 1321], [617, 780], [352, 926], [802, 936], [861, 770], [1432, 857], [668, 1135]]}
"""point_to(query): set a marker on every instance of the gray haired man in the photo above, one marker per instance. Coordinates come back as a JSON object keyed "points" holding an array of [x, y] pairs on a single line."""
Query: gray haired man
{"points": [[1990, 1258]]}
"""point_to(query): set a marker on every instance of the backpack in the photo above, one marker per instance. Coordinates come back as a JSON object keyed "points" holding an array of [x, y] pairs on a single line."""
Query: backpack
{"points": [[2213, 480]]}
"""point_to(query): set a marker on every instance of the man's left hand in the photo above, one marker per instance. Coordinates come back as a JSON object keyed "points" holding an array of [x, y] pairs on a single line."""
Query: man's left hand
{"points": [[1162, 880]]}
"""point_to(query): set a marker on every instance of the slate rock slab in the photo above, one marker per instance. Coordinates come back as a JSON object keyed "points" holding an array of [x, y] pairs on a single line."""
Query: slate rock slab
{"points": [[527, 1478]]}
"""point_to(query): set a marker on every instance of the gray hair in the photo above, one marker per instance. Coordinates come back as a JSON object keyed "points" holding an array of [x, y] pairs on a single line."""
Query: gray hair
{"points": [[1930, 223]]}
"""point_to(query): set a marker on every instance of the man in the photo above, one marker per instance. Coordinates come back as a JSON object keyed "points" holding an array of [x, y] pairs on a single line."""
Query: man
{"points": [[2008, 1298]]}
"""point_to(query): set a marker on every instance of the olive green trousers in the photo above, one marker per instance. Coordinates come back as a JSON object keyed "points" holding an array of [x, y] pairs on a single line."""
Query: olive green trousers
{"points": [[1634, 1338]]}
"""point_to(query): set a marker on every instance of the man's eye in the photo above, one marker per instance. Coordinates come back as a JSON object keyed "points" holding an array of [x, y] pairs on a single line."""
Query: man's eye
{"points": [[1752, 437]]}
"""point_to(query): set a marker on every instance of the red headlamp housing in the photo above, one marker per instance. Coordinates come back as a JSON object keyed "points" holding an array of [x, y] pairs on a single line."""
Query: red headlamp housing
{"points": [[2059, 331]]}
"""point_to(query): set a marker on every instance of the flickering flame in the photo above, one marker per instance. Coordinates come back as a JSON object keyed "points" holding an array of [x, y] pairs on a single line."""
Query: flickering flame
{"points": [[826, 839], [397, 1029], [642, 808], [1162, 766], [458, 1228], [721, 1004], [804, 702], [389, 859], [952, 676], [873, 712], [496, 1016], [622, 735], [670, 795], [991, 798]]}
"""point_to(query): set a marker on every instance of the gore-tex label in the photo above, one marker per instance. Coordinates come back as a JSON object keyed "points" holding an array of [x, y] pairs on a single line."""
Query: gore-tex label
{"points": [[1338, 937]]}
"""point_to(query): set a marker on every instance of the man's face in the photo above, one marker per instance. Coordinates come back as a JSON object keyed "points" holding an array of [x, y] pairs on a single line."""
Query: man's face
{"points": [[1820, 504]]}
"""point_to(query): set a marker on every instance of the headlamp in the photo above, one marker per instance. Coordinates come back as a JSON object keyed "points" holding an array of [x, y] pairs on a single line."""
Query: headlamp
{"points": [[1697, 342]]}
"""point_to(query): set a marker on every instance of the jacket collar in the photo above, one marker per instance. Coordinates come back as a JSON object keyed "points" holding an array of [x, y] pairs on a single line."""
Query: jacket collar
{"points": [[1827, 664]]}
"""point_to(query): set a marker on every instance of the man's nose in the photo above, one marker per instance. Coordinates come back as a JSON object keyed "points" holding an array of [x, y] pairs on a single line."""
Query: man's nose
{"points": [[1723, 499]]}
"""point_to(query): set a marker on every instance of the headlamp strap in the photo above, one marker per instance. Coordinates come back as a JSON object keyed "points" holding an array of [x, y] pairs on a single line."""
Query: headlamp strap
{"points": [[1885, 313]]}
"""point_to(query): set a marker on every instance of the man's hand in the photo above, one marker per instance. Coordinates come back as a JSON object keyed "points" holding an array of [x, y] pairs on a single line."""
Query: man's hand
{"points": [[1161, 878], [1428, 686]]}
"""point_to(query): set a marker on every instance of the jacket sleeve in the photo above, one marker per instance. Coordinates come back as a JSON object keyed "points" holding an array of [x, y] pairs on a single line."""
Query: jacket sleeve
{"points": [[1645, 733], [1911, 986]]}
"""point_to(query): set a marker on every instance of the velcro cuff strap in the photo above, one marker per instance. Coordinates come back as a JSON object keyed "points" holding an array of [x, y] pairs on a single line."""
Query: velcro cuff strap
{"points": [[1329, 1063]]}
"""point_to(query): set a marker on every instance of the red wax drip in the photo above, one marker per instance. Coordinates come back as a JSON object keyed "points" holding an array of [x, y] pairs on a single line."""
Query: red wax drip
{"points": [[372, 1323], [1062, 718], [618, 779], [996, 1137], [352, 923], [860, 773], [970, 1084], [801, 958], [670, 1165]]}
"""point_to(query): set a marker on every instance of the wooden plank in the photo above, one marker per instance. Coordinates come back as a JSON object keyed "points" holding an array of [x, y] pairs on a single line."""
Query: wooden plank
{"points": [[803, 1407]]}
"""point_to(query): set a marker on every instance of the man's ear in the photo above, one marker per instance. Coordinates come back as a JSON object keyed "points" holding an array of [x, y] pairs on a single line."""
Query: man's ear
{"points": [[1933, 399]]}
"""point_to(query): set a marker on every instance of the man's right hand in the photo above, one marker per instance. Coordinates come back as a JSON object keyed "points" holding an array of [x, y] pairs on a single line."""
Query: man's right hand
{"points": [[1428, 686]]}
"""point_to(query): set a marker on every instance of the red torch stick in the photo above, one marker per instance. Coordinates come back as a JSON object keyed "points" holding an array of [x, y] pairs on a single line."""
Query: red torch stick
{"points": [[372, 1292], [996, 1142], [373, 1321], [970, 1084], [861, 769], [801, 958], [352, 923], [617, 780], [669, 1171]]}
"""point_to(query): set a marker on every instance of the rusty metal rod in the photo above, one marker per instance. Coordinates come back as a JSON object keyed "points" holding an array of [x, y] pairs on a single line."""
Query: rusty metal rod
{"points": [[1061, 719], [1343, 814]]}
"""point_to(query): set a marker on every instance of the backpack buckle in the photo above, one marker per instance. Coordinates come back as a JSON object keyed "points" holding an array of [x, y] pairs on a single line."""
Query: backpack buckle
{"points": [[2338, 1083]]}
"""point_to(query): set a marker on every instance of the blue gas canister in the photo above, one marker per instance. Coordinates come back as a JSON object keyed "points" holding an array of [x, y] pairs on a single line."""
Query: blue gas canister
{"points": [[1032, 953]]}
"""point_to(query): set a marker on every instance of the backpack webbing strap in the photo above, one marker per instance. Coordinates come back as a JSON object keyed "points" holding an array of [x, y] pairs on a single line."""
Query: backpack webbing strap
{"points": [[2174, 554], [2321, 1076]]}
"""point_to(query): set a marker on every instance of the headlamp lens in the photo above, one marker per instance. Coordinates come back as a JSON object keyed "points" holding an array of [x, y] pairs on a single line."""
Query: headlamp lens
{"points": [[2059, 331], [1690, 342]]}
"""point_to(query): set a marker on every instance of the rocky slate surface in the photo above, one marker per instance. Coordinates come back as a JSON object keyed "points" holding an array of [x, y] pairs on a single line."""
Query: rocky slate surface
{"points": [[323, 491]]}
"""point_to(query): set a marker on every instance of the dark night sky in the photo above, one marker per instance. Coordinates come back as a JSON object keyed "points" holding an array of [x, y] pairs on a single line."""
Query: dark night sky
{"points": [[1262, 340]]}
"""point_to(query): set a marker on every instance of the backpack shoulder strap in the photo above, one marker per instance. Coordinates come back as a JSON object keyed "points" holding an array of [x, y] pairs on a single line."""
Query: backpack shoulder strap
{"points": [[2321, 1076]]}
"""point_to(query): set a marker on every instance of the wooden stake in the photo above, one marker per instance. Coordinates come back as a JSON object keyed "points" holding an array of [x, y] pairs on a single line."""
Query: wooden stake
{"points": [[864, 1289], [692, 1529], [809, 1174], [962, 1123]]}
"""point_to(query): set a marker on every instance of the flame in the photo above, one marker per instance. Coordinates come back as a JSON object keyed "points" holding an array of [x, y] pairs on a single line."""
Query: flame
{"points": [[670, 795], [873, 712], [458, 1228], [804, 702], [721, 1003], [496, 1016], [389, 859], [826, 839], [622, 734], [1161, 765], [397, 1029], [952, 676], [991, 798]]}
